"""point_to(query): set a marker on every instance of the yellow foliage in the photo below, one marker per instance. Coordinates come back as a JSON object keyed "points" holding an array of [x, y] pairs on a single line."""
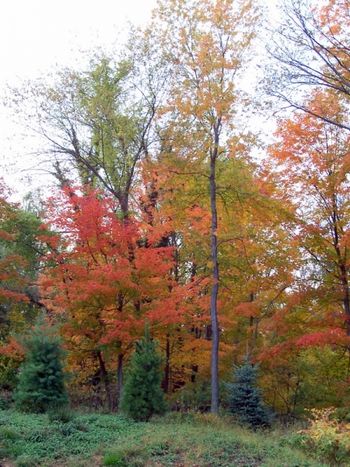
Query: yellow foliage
{"points": [[328, 437]]}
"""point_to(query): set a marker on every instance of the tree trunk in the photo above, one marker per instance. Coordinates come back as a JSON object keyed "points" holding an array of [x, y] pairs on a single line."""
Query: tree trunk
{"points": [[124, 205], [119, 379], [343, 269], [214, 365], [346, 296], [166, 381], [105, 380]]}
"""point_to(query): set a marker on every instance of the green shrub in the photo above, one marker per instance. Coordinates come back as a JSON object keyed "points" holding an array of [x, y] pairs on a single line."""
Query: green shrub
{"points": [[142, 394], [7, 433], [244, 397], [5, 401], [114, 459], [41, 379], [126, 456], [60, 414], [342, 414], [327, 438], [193, 396], [8, 372]]}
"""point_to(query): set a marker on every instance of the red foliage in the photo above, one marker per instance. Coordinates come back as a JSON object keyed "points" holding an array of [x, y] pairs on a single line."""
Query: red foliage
{"points": [[108, 276]]}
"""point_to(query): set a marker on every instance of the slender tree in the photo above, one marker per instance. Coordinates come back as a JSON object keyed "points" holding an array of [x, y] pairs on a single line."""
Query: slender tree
{"points": [[207, 43]]}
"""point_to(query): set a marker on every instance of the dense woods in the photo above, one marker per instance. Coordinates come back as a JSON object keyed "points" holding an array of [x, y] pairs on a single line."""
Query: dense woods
{"points": [[170, 211]]}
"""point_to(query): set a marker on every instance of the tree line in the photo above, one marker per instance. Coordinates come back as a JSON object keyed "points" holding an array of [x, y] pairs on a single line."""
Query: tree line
{"points": [[170, 210]]}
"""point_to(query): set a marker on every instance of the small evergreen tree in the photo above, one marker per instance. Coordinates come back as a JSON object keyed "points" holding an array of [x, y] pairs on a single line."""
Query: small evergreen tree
{"points": [[142, 395], [41, 378], [245, 399]]}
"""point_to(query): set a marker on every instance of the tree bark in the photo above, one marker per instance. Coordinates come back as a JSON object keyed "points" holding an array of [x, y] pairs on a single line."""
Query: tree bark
{"points": [[166, 381], [346, 296], [214, 364], [105, 379], [120, 378], [342, 266]]}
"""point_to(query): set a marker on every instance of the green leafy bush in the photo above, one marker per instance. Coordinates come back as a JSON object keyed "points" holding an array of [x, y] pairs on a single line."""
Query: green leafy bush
{"points": [[114, 459], [7, 433], [5, 401], [193, 396], [326, 437], [126, 456], [60, 414]]}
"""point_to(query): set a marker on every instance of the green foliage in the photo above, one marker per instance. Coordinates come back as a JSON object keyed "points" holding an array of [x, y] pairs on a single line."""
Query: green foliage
{"points": [[196, 439], [25, 227], [245, 399], [8, 433], [115, 459], [26, 461], [5, 402], [19, 258], [126, 456], [193, 396], [36, 437], [142, 395], [60, 414], [327, 437], [41, 378]]}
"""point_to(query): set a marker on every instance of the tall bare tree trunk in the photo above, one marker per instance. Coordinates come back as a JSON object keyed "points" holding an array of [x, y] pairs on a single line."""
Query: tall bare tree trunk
{"points": [[214, 364], [120, 378], [166, 379], [346, 296]]}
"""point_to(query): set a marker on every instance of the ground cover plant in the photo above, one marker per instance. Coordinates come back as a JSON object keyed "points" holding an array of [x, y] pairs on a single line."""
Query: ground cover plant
{"points": [[176, 439]]}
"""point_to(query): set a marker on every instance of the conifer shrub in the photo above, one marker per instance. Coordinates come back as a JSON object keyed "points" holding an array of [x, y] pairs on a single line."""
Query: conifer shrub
{"points": [[244, 397], [142, 394], [41, 379]]}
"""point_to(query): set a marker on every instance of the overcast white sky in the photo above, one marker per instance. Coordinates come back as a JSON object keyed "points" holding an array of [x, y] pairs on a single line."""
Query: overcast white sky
{"points": [[38, 35]]}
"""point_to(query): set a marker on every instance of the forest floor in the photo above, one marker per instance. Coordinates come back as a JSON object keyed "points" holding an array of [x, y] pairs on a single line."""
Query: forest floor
{"points": [[89, 440]]}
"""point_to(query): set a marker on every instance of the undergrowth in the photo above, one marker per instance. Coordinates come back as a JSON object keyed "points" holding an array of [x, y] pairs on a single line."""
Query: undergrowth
{"points": [[111, 440]]}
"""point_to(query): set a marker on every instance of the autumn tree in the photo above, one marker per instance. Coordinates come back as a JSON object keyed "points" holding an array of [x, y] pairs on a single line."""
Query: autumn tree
{"points": [[97, 124], [19, 250], [206, 43], [314, 156], [312, 50], [20, 253], [102, 296], [312, 160], [166, 212]]}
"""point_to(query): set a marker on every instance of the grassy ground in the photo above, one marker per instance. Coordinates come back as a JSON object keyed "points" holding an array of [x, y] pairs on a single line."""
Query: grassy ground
{"points": [[102, 440]]}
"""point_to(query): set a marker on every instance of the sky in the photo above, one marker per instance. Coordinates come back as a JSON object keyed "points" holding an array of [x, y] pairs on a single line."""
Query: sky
{"points": [[38, 36]]}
